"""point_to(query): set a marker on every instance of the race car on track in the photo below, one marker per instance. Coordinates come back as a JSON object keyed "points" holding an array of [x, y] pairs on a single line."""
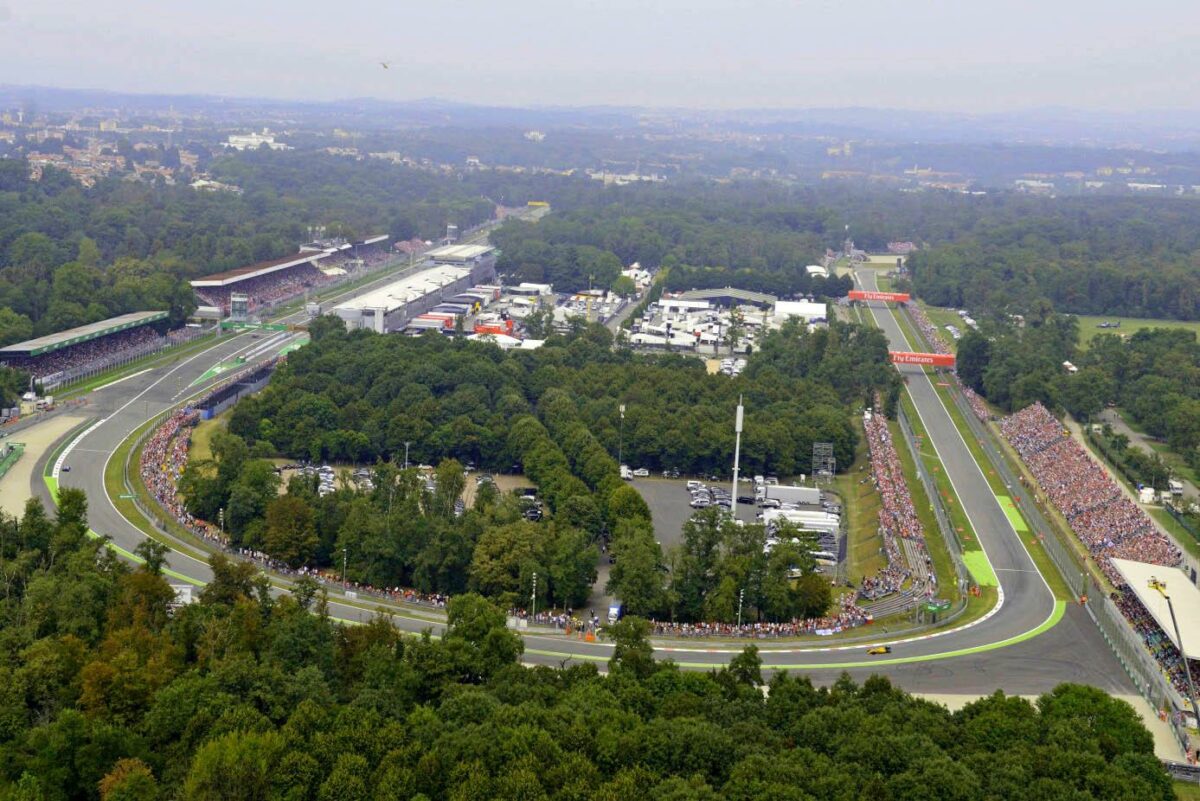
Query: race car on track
{"points": [[876, 650]]}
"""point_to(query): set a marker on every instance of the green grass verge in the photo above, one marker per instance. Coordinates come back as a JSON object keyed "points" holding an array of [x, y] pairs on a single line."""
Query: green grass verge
{"points": [[202, 434], [861, 504], [1129, 325], [933, 465], [1187, 791]]}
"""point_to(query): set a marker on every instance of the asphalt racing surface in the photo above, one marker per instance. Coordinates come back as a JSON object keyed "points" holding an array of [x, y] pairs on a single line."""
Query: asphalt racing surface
{"points": [[1028, 644]]}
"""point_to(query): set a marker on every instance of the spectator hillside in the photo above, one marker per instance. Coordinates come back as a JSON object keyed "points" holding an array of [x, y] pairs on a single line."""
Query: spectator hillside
{"points": [[1106, 521], [898, 521]]}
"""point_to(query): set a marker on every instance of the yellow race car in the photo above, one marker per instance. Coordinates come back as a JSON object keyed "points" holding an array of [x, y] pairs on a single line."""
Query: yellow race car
{"points": [[876, 650]]}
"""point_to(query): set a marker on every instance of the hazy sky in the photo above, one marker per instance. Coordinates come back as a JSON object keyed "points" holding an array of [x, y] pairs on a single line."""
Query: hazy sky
{"points": [[968, 55]]}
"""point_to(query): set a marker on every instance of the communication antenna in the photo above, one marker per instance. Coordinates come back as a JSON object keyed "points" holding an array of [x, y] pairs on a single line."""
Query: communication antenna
{"points": [[737, 452]]}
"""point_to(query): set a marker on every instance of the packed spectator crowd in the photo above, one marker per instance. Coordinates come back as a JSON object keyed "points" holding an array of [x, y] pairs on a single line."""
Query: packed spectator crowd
{"points": [[897, 516], [850, 615], [265, 291], [1157, 642], [94, 355], [1106, 521], [977, 404], [928, 330]]}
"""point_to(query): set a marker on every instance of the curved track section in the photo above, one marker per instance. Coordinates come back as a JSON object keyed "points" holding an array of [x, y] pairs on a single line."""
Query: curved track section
{"points": [[1028, 644]]}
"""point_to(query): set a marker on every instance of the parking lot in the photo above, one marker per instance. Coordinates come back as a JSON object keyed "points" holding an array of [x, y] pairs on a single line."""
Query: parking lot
{"points": [[669, 502]]}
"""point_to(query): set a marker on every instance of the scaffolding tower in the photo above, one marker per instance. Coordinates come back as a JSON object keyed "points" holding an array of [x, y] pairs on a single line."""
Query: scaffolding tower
{"points": [[824, 463]]}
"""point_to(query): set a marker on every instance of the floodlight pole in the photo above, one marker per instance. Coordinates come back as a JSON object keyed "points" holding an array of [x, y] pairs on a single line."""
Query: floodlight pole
{"points": [[737, 450], [1161, 586], [621, 440]]}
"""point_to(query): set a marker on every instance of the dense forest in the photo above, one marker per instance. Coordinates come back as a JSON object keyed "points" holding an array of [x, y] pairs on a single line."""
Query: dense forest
{"points": [[551, 414], [110, 692], [359, 397], [1132, 257], [706, 242], [1014, 366]]}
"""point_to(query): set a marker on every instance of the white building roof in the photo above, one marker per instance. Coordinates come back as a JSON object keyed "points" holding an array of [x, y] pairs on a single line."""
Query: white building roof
{"points": [[400, 293], [459, 252], [1184, 596], [804, 309]]}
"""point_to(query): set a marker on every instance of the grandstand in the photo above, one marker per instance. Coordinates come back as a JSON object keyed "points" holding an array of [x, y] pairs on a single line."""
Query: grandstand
{"points": [[55, 359], [318, 264], [1184, 595], [265, 283]]}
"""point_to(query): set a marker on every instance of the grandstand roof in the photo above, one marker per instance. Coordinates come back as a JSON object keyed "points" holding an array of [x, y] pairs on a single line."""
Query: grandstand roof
{"points": [[73, 336], [457, 253], [398, 294], [1185, 597], [729, 292], [231, 277]]}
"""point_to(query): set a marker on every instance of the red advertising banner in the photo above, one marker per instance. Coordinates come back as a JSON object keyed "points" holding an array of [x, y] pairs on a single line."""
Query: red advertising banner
{"points": [[896, 297], [931, 359]]}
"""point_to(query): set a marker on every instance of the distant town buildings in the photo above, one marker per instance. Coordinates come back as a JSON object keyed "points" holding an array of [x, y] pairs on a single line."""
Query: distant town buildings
{"points": [[253, 141]]}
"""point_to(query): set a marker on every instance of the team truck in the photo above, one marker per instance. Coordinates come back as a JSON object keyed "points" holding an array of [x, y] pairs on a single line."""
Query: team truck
{"points": [[792, 494], [1175, 486]]}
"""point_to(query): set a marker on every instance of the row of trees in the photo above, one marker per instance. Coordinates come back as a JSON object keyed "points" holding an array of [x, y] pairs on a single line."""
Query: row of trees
{"points": [[1015, 366], [107, 692]]}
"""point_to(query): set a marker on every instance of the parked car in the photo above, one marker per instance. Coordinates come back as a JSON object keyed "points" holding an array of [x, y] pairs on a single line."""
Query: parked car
{"points": [[641, 472]]}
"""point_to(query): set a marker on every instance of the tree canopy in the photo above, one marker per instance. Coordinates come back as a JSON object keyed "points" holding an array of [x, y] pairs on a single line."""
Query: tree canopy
{"points": [[110, 692]]}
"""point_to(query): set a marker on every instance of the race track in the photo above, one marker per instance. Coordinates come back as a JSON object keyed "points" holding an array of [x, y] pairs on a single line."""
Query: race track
{"points": [[1027, 645]]}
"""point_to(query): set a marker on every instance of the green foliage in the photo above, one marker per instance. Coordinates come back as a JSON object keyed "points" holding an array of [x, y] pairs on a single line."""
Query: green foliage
{"points": [[1129, 257], [554, 414], [242, 696]]}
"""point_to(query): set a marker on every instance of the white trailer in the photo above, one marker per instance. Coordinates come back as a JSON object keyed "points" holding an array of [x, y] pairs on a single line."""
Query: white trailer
{"points": [[793, 494]]}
